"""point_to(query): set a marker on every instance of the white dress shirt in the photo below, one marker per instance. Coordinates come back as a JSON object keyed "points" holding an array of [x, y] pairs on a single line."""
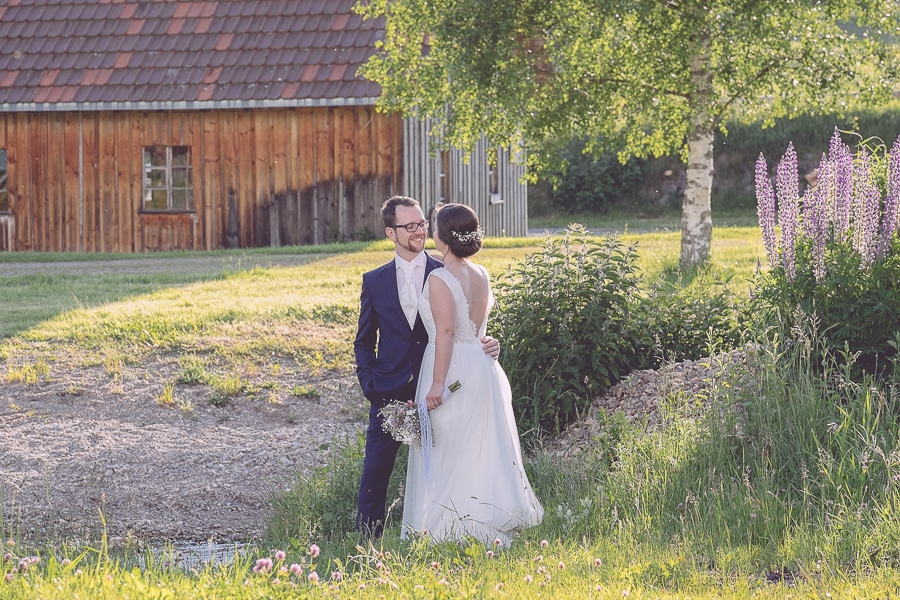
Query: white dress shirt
{"points": [[409, 296]]}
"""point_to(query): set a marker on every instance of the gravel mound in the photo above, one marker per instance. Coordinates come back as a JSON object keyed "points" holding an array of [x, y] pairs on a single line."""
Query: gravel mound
{"points": [[641, 395]]}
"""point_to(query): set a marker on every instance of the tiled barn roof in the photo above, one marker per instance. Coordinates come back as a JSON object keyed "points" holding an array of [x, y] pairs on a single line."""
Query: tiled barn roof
{"points": [[121, 54]]}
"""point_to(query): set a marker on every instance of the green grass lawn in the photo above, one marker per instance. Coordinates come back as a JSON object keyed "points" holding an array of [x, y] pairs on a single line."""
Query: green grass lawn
{"points": [[165, 304], [772, 500]]}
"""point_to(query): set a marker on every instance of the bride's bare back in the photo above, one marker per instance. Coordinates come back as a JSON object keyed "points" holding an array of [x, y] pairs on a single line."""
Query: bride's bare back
{"points": [[475, 288]]}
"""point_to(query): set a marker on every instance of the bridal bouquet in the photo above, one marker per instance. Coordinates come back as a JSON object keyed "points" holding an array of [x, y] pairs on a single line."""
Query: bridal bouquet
{"points": [[401, 421]]}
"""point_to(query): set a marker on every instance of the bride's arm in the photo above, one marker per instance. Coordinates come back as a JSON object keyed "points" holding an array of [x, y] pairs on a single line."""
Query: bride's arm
{"points": [[444, 310]]}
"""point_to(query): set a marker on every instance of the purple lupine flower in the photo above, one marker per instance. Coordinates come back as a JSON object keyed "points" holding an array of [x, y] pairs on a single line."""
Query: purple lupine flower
{"points": [[809, 205], [860, 191], [872, 209], [825, 181], [786, 185], [765, 209], [815, 219], [891, 201], [842, 165], [866, 206], [894, 170]]}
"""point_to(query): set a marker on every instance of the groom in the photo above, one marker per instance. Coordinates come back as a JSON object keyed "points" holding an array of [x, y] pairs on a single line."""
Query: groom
{"points": [[390, 342]]}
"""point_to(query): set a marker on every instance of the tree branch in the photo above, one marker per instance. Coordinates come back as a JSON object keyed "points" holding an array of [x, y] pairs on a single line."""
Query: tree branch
{"points": [[671, 4], [740, 94]]}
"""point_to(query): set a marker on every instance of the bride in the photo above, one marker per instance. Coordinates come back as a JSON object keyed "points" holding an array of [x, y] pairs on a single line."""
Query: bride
{"points": [[470, 481]]}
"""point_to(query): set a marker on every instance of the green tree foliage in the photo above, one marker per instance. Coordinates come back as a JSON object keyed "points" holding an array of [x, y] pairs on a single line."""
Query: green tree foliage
{"points": [[649, 77]]}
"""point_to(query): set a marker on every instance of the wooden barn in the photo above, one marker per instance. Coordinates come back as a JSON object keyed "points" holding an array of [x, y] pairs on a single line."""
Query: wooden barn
{"points": [[164, 125]]}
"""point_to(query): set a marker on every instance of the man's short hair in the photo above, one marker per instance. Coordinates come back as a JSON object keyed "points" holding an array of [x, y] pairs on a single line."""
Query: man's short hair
{"points": [[389, 208]]}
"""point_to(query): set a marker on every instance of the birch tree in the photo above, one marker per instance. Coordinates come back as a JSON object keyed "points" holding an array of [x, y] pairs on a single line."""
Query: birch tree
{"points": [[646, 77]]}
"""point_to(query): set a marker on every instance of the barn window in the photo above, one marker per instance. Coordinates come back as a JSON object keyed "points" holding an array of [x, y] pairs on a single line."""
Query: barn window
{"points": [[167, 178], [494, 176], [4, 196], [445, 176]]}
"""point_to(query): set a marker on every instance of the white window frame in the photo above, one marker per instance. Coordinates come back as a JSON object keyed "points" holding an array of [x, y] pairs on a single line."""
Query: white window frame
{"points": [[494, 176], [4, 182], [169, 188]]}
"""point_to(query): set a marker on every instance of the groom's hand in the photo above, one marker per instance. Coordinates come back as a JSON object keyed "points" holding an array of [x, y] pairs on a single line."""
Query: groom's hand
{"points": [[491, 346]]}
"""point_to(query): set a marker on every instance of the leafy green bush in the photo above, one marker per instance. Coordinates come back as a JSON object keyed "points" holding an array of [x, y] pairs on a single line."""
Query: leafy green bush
{"points": [[591, 182], [595, 181], [564, 315], [690, 321], [857, 310]]}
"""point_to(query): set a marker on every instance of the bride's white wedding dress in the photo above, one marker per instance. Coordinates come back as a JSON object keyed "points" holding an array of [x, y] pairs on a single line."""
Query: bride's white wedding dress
{"points": [[477, 486]]}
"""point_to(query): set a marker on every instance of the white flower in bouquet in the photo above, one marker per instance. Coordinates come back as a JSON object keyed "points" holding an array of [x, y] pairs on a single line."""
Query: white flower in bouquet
{"points": [[401, 422]]}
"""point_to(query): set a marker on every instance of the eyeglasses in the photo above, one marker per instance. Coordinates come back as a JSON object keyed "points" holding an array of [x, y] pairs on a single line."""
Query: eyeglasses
{"points": [[412, 227]]}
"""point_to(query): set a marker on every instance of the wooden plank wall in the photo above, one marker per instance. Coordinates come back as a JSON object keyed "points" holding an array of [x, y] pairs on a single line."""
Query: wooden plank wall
{"points": [[469, 183], [263, 177]]}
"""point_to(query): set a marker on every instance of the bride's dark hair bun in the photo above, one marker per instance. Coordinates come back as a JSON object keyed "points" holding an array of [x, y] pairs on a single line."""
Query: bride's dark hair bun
{"points": [[457, 226]]}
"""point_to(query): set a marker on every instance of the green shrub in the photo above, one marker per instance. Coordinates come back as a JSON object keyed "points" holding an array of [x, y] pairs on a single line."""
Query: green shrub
{"points": [[596, 181], [564, 315], [857, 310], [688, 322], [590, 182]]}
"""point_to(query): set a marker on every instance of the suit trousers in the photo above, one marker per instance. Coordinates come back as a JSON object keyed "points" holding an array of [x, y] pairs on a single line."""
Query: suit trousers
{"points": [[381, 453]]}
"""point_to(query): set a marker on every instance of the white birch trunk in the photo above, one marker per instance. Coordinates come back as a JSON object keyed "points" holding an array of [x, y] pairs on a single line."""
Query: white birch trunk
{"points": [[696, 218]]}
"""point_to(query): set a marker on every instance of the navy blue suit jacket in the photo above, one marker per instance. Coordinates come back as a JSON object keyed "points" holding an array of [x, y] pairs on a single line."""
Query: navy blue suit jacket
{"points": [[388, 352]]}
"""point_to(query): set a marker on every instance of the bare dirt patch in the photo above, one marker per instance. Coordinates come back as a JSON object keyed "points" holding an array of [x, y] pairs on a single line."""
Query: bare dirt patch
{"points": [[84, 440]]}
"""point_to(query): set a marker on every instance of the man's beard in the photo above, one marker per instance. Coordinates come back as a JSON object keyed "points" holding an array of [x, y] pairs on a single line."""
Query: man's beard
{"points": [[414, 245]]}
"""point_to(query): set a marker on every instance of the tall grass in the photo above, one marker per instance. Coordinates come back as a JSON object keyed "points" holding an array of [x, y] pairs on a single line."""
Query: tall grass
{"points": [[558, 570], [783, 474]]}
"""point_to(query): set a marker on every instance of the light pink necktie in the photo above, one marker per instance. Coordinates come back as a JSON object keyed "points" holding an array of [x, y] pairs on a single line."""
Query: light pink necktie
{"points": [[409, 299]]}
